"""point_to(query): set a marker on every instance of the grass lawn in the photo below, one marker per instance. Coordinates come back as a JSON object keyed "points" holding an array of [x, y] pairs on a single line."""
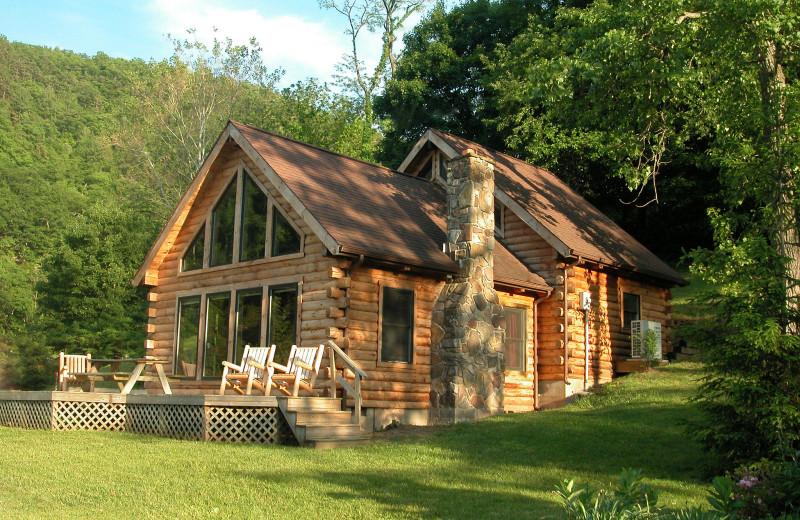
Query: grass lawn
{"points": [[503, 467]]}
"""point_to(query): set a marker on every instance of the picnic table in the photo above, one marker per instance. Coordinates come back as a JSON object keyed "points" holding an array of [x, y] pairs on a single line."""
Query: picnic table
{"points": [[125, 380]]}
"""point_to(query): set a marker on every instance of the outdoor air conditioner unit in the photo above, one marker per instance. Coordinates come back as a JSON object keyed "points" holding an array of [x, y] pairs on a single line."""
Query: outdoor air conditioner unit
{"points": [[639, 330]]}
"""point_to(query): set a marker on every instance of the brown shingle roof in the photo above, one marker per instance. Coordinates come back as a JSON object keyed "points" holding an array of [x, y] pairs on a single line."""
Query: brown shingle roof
{"points": [[569, 217], [371, 210]]}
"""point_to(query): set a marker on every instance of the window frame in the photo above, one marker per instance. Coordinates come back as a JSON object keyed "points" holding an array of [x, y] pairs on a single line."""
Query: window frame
{"points": [[638, 296], [398, 285], [524, 311], [499, 227], [233, 290], [237, 178]]}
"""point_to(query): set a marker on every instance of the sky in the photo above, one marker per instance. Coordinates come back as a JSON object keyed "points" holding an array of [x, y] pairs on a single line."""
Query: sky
{"points": [[297, 35]]}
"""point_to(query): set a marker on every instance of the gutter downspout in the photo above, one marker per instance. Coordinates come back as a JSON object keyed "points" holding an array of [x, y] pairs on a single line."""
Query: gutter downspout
{"points": [[566, 326], [585, 348]]}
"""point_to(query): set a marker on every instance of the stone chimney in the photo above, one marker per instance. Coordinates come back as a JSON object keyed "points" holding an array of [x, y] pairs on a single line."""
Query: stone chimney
{"points": [[466, 347]]}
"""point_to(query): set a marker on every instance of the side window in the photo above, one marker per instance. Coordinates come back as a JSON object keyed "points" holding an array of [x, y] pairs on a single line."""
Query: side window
{"points": [[516, 338], [630, 309], [397, 325]]}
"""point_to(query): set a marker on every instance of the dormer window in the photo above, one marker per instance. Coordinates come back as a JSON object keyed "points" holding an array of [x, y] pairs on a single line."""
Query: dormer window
{"points": [[499, 219], [427, 169], [240, 228]]}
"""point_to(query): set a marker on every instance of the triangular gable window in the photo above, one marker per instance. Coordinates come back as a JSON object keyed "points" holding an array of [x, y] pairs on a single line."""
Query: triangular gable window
{"points": [[193, 259], [285, 239], [253, 221], [222, 227], [240, 230]]}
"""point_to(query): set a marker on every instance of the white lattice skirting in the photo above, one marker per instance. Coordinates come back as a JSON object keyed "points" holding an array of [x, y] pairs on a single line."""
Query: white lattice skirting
{"points": [[203, 418]]}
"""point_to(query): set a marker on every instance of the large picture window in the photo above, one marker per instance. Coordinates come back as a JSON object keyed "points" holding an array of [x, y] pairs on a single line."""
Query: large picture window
{"points": [[217, 326], [188, 332], [248, 320], [239, 228], [631, 306], [230, 320], [282, 319], [397, 325], [516, 338]]}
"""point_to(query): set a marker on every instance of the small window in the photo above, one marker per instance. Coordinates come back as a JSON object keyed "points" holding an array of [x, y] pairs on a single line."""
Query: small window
{"points": [[253, 221], [282, 320], [516, 338], [248, 321], [222, 227], [397, 325], [427, 170], [285, 239], [218, 309], [193, 259], [442, 166], [631, 309], [499, 219], [188, 329]]}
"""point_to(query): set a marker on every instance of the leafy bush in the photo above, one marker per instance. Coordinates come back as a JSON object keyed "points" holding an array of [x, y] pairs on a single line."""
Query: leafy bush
{"points": [[768, 489], [631, 499], [26, 364]]}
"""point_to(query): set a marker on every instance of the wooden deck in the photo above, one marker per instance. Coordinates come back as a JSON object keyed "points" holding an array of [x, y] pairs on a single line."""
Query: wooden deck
{"points": [[317, 422]]}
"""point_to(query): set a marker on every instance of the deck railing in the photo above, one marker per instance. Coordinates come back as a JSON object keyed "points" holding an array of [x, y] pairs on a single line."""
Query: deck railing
{"points": [[353, 390]]}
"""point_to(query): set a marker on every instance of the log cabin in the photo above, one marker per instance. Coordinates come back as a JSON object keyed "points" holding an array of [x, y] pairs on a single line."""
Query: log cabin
{"points": [[466, 283]]}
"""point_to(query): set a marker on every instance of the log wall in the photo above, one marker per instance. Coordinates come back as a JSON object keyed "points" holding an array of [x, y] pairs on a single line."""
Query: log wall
{"points": [[321, 279], [518, 389], [607, 339], [391, 385]]}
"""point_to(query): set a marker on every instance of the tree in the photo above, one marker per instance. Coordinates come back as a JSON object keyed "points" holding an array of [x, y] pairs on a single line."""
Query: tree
{"points": [[181, 106], [751, 391], [637, 86], [386, 15], [87, 303], [443, 79]]}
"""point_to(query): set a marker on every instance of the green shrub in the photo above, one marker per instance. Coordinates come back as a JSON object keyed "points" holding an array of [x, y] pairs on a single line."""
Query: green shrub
{"points": [[631, 499], [26, 364]]}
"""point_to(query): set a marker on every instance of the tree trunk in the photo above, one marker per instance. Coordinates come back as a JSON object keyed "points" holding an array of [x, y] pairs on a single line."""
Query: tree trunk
{"points": [[786, 240]]}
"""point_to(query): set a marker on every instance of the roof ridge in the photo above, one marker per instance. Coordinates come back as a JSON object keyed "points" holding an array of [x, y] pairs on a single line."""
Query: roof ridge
{"points": [[321, 149]]}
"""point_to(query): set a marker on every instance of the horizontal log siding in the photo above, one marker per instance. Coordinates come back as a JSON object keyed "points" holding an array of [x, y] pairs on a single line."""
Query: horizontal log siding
{"points": [[539, 256], [312, 272], [390, 385], [607, 339], [655, 306], [602, 317], [518, 386]]}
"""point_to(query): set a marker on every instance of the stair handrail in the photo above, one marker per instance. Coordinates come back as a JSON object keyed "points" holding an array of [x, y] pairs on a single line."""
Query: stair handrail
{"points": [[348, 364]]}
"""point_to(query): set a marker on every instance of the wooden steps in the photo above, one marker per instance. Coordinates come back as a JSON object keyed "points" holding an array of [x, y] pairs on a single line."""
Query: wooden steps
{"points": [[320, 423]]}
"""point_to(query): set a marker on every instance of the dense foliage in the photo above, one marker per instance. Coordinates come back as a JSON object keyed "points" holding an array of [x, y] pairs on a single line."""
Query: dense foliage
{"points": [[516, 75], [94, 153]]}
